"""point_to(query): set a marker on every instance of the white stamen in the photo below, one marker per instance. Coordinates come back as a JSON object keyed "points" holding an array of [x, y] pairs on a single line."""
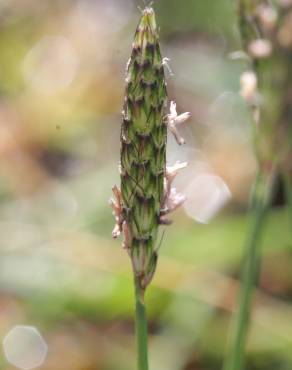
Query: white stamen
{"points": [[170, 170], [166, 64], [182, 118], [173, 120], [117, 211], [172, 109]]}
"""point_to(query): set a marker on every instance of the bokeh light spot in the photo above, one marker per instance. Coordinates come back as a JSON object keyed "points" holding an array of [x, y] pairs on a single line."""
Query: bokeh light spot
{"points": [[51, 65], [24, 347], [206, 195]]}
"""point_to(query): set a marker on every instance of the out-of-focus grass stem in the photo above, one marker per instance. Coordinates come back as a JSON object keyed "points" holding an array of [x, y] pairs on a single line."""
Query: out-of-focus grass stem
{"points": [[266, 114], [287, 178], [259, 205]]}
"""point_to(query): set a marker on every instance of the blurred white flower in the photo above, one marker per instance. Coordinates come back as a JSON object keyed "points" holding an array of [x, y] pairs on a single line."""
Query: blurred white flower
{"points": [[260, 48], [248, 86]]}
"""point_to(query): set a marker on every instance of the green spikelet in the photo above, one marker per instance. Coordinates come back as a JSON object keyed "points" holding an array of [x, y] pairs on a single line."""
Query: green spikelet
{"points": [[143, 148]]}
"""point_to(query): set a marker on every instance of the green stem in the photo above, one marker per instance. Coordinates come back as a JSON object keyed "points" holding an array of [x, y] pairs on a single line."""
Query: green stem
{"points": [[287, 178], [259, 205], [141, 328]]}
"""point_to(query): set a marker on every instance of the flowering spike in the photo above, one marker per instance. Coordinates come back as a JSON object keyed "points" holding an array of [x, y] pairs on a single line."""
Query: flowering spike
{"points": [[146, 194], [143, 147]]}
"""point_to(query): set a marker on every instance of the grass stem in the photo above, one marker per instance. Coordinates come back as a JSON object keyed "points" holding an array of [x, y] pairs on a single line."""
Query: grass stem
{"points": [[287, 179], [141, 328], [259, 205]]}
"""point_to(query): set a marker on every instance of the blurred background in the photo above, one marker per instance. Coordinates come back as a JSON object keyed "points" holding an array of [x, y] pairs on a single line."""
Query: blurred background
{"points": [[66, 295]]}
